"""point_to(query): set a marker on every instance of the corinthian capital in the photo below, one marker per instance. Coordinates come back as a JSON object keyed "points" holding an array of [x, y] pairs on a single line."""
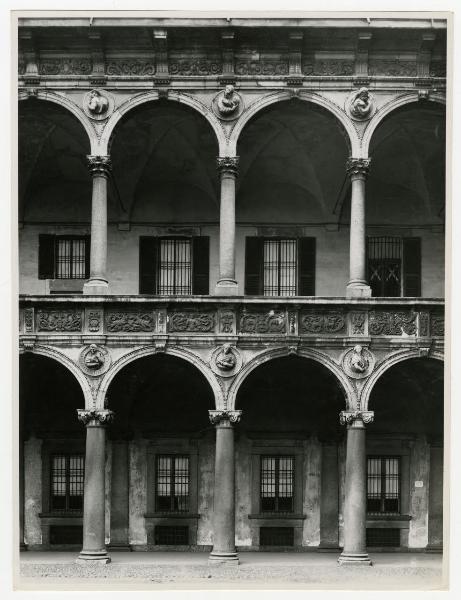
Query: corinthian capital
{"points": [[359, 417], [358, 166], [228, 164], [95, 417], [224, 417], [99, 165]]}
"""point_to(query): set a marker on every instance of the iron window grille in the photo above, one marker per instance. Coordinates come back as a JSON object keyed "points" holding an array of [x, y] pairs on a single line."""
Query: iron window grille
{"points": [[280, 267], [175, 266], [383, 484], [385, 265], [277, 484], [71, 257], [172, 483], [67, 482]]}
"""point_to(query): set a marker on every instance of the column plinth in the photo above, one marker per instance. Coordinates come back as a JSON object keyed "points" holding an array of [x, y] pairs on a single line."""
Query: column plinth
{"points": [[94, 548], [357, 287], [224, 550], [99, 167], [355, 503], [228, 170]]}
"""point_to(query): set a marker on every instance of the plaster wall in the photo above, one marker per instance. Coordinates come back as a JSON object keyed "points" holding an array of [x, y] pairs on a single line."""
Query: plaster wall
{"points": [[33, 491], [419, 493]]}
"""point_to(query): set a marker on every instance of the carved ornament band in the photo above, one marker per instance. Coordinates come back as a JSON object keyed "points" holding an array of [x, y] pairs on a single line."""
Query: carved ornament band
{"points": [[228, 164], [99, 165], [218, 417], [350, 417], [358, 166], [95, 417]]}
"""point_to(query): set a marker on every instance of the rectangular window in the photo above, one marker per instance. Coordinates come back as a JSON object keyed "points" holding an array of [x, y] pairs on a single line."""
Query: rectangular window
{"points": [[280, 267], [394, 266], [67, 481], [64, 257], [277, 484], [175, 267], [383, 484], [172, 484]]}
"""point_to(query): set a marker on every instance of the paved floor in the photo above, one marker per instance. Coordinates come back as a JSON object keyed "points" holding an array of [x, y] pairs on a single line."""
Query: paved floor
{"points": [[54, 570]]}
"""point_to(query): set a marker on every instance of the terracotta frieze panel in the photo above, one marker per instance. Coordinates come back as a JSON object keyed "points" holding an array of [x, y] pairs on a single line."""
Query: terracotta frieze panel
{"points": [[261, 67], [130, 67], [323, 323], [226, 322], [328, 67], [59, 320], [438, 68], [392, 323], [437, 325], [129, 322], [191, 322], [270, 322], [28, 319], [423, 324], [199, 66], [392, 68], [66, 66], [358, 323]]}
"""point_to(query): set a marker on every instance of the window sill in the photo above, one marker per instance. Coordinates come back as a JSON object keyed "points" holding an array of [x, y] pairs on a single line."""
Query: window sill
{"points": [[61, 515], [387, 517], [171, 515], [388, 521], [277, 517]]}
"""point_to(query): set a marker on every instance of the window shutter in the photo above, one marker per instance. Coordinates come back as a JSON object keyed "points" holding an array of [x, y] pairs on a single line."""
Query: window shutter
{"points": [[412, 267], [46, 249], [254, 263], [87, 255], [306, 266], [148, 251], [201, 265]]}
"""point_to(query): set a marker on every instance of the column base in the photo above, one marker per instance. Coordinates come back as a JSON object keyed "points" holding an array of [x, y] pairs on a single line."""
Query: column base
{"points": [[350, 558], [226, 287], [96, 287], [93, 558], [230, 558], [358, 289]]}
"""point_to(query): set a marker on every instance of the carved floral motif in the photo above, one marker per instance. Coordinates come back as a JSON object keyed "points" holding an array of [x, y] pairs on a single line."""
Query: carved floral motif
{"points": [[129, 321], [333, 322], [330, 66], [28, 319], [358, 323], [273, 322], [437, 325], [127, 67], [200, 66], [392, 68], [226, 322], [66, 66], [438, 68], [94, 321], [261, 67], [392, 323], [57, 320], [423, 324], [192, 322]]}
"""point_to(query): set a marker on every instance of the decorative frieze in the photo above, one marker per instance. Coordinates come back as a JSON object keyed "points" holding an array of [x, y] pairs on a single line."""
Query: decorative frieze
{"points": [[94, 321], [28, 319], [423, 324], [66, 66], [130, 322], [261, 67], [392, 67], [358, 323], [226, 322], [270, 322], [327, 323], [134, 67], [192, 322], [59, 320], [328, 67], [437, 325], [198, 66], [438, 68], [391, 323]]}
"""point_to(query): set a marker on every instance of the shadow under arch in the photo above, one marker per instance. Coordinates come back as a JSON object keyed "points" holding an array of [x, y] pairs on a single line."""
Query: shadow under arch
{"points": [[162, 393]]}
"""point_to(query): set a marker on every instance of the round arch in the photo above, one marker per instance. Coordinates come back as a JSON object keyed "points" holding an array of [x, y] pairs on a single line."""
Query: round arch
{"points": [[387, 364], [186, 355], [47, 96], [69, 364], [264, 357], [152, 96], [346, 124], [384, 111]]}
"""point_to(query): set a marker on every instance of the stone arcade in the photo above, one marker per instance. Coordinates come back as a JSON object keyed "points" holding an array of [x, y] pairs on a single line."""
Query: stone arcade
{"points": [[231, 285]]}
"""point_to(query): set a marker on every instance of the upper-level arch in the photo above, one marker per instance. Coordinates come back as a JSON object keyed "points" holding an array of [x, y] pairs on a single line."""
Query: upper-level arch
{"points": [[152, 96], [387, 109], [266, 101]]}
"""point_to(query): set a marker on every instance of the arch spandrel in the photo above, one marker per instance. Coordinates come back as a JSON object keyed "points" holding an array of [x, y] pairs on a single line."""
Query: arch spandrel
{"points": [[152, 96], [268, 355], [69, 105], [181, 353], [265, 101]]}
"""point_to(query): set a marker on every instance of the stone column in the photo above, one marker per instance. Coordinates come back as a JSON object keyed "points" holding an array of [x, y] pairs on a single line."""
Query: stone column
{"points": [[224, 487], [357, 169], [355, 504], [94, 548], [99, 167], [227, 284]]}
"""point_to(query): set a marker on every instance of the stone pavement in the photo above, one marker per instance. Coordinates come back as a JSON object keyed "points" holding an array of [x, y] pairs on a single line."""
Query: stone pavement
{"points": [[183, 570]]}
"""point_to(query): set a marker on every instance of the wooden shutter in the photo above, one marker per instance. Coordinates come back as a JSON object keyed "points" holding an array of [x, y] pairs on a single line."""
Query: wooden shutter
{"points": [[306, 266], [254, 263], [201, 265], [46, 251], [87, 255], [412, 267], [148, 252]]}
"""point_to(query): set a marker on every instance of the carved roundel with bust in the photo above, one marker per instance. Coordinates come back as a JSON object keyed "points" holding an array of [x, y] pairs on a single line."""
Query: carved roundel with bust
{"points": [[94, 360], [358, 362], [360, 105], [227, 104], [98, 105], [226, 361]]}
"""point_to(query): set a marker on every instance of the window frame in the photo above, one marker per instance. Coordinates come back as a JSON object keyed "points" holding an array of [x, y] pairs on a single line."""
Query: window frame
{"points": [[280, 239], [277, 510], [67, 456], [53, 269], [175, 238], [171, 483], [383, 479]]}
